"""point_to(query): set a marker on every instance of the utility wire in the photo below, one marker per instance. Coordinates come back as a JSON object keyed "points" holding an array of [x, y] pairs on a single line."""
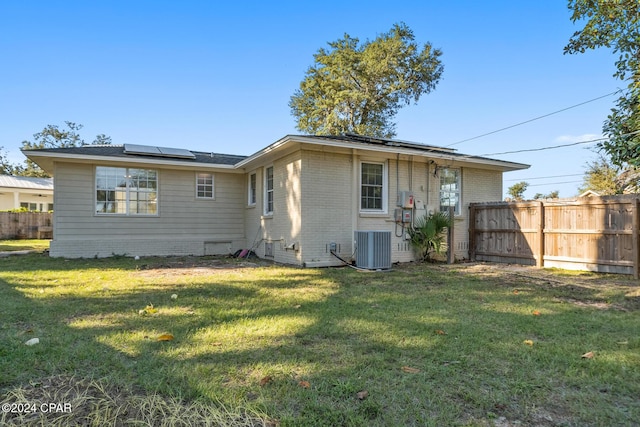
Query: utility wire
{"points": [[545, 148], [559, 146], [544, 177], [535, 118], [554, 183]]}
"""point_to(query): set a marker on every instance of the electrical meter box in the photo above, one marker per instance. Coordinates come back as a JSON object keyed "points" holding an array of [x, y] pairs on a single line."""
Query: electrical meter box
{"points": [[402, 215], [405, 199]]}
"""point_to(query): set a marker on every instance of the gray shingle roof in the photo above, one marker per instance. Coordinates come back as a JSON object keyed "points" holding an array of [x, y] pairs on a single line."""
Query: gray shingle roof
{"points": [[118, 151]]}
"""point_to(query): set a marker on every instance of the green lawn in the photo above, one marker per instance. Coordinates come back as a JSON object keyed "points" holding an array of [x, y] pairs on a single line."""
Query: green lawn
{"points": [[421, 345], [24, 245]]}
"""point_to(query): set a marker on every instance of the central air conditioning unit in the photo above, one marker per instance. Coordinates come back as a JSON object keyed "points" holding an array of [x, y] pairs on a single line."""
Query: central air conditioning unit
{"points": [[373, 250]]}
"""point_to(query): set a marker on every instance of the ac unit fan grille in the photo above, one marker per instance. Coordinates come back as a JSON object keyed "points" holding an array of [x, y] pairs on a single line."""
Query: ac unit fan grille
{"points": [[373, 250]]}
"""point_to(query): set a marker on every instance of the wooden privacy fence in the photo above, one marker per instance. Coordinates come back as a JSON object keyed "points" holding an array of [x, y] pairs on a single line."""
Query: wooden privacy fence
{"points": [[595, 233], [25, 225]]}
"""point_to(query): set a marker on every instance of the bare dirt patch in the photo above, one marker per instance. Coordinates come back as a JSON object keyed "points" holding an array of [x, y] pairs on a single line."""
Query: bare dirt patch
{"points": [[581, 288], [196, 266]]}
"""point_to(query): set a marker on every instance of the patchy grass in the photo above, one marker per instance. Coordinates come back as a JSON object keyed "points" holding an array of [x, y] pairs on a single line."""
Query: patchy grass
{"points": [[421, 345], [24, 245]]}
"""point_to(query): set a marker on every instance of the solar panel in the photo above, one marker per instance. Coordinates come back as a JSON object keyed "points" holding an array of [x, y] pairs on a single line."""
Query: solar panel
{"points": [[158, 151], [176, 152], [396, 142]]}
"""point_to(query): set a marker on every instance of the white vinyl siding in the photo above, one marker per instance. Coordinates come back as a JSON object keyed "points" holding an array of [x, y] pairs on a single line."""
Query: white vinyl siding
{"points": [[182, 227]]}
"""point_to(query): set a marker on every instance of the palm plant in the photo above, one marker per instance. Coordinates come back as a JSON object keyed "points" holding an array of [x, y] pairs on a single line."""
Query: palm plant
{"points": [[428, 234]]}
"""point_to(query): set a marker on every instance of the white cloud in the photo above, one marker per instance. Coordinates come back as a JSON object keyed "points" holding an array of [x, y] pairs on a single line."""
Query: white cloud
{"points": [[578, 138]]}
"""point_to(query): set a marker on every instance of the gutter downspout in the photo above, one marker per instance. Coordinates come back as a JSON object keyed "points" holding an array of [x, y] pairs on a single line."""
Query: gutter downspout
{"points": [[355, 198]]}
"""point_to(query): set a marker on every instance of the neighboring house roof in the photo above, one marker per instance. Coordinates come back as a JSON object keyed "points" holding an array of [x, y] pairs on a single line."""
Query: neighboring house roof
{"points": [[185, 158], [590, 193], [31, 183]]}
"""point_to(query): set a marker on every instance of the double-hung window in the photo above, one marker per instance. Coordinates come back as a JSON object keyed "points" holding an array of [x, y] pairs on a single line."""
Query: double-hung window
{"points": [[450, 190], [204, 186], [268, 190], [126, 191], [373, 192]]}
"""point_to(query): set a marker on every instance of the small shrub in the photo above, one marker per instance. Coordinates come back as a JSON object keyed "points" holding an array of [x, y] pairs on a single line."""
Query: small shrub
{"points": [[428, 234]]}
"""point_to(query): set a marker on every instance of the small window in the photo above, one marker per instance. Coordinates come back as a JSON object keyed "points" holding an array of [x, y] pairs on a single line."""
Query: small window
{"points": [[50, 207], [268, 191], [373, 187], [204, 186], [450, 190], [29, 206], [252, 189]]}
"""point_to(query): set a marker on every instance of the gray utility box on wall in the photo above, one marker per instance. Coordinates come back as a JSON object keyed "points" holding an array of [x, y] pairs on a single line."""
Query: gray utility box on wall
{"points": [[373, 249]]}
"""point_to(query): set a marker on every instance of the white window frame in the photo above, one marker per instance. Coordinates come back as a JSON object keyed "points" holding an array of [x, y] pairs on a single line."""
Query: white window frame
{"points": [[445, 194], [268, 192], [385, 186], [203, 187], [129, 192], [252, 189]]}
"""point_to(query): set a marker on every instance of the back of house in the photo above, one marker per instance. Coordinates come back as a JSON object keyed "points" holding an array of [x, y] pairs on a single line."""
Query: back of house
{"points": [[304, 200]]}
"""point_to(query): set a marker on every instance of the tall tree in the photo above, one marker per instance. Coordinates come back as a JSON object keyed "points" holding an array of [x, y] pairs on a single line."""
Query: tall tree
{"points": [[601, 176], [54, 137], [614, 24], [6, 167], [359, 88]]}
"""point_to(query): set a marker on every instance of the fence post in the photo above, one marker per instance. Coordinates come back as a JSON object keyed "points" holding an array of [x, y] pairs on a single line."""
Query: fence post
{"points": [[636, 251], [472, 232], [540, 259], [450, 253]]}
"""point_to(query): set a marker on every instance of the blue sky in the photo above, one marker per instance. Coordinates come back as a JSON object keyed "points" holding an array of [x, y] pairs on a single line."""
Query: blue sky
{"points": [[217, 76]]}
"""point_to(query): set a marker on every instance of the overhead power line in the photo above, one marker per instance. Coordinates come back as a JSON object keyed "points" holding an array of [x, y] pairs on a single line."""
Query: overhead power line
{"points": [[546, 148], [534, 119], [545, 177], [554, 183], [558, 146]]}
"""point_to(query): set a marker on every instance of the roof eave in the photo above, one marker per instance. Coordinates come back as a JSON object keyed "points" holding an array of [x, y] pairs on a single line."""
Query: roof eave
{"points": [[46, 160], [502, 165]]}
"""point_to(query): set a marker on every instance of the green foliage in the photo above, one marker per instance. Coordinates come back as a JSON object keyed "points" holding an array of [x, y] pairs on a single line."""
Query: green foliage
{"points": [[428, 234], [16, 210], [601, 177], [359, 88], [54, 137], [6, 168], [516, 191], [24, 245], [621, 126], [552, 195], [614, 25]]}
